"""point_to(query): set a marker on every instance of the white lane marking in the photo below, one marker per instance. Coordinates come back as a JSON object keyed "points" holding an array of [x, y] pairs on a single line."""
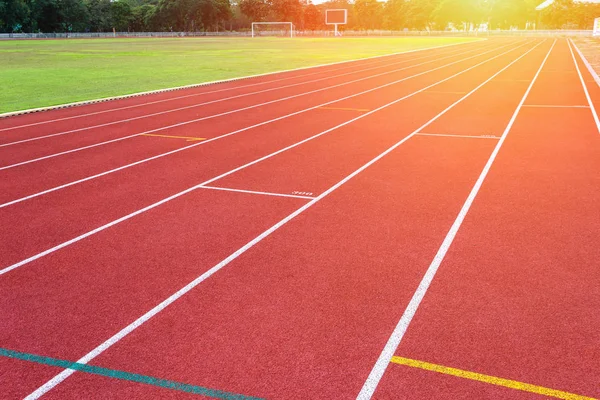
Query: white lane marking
{"points": [[390, 347], [229, 80], [133, 214], [587, 94], [552, 106], [236, 97], [62, 153], [141, 320], [220, 137], [255, 192], [459, 136]]}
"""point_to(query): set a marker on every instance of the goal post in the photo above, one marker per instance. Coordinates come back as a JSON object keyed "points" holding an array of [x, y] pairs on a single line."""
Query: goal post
{"points": [[288, 25]]}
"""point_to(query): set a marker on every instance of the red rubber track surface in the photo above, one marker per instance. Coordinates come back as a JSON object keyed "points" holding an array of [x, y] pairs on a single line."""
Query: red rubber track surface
{"points": [[517, 296], [93, 205], [306, 310]]}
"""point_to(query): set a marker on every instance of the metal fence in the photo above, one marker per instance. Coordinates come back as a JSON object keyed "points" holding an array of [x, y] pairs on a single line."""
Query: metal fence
{"points": [[92, 35], [534, 33], [89, 35]]}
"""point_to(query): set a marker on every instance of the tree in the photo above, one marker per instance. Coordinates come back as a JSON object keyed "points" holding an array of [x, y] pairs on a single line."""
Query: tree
{"points": [[73, 15], [394, 12], [313, 19], [14, 15], [505, 14], [457, 12], [286, 11], [368, 14], [556, 15], [120, 13], [141, 18], [100, 19], [418, 13], [256, 10], [583, 15]]}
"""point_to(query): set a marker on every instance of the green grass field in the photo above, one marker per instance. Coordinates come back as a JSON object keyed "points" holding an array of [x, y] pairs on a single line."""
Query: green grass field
{"points": [[37, 73]]}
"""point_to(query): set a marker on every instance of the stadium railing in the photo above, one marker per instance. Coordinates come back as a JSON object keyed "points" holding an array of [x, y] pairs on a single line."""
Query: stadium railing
{"points": [[298, 33]]}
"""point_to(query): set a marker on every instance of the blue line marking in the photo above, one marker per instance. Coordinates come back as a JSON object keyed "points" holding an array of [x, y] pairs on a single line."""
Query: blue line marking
{"points": [[127, 376]]}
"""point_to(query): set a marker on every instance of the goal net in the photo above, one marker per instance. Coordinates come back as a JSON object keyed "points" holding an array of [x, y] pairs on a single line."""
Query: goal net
{"points": [[283, 29]]}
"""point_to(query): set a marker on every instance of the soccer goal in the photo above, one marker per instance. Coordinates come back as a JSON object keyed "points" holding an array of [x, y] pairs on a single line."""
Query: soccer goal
{"points": [[272, 29]]}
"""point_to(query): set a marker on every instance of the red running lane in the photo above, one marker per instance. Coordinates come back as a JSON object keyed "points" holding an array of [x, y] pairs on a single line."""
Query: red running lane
{"points": [[517, 296], [322, 167], [90, 205], [318, 291], [248, 84], [298, 291], [122, 273], [18, 377]]}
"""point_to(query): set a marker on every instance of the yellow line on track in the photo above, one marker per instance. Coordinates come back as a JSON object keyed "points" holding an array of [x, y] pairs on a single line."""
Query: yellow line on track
{"points": [[344, 109], [189, 139], [488, 379]]}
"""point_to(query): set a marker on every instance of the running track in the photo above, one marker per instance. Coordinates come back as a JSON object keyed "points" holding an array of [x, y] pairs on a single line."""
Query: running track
{"points": [[416, 226]]}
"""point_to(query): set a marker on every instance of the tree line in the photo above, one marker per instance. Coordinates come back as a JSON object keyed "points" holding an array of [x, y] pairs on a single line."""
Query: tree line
{"points": [[217, 15]]}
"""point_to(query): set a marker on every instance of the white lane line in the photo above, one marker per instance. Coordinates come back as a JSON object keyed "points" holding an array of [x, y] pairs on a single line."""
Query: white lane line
{"points": [[386, 355], [133, 214], [552, 106], [587, 94], [62, 153], [219, 137], [144, 318], [459, 136], [255, 192], [240, 96], [229, 80], [591, 69]]}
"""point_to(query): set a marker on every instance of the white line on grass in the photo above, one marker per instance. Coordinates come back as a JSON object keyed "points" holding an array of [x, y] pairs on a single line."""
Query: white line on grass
{"points": [[219, 137], [255, 192], [377, 62], [232, 98], [196, 85], [133, 214], [587, 94], [383, 361], [137, 323]]}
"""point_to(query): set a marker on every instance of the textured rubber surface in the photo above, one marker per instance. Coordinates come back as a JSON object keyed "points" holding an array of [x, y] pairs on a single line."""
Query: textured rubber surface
{"points": [[304, 310]]}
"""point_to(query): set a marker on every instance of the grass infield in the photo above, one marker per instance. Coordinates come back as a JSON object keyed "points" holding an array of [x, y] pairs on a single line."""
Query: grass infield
{"points": [[38, 73]]}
